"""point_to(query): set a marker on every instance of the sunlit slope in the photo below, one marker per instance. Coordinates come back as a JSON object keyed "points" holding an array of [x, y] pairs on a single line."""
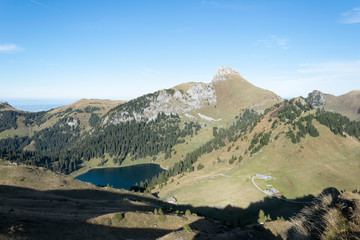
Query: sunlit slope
{"points": [[298, 169], [235, 93], [347, 104]]}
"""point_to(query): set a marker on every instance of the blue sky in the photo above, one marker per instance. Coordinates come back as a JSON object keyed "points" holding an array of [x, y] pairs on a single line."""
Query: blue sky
{"points": [[110, 49]]}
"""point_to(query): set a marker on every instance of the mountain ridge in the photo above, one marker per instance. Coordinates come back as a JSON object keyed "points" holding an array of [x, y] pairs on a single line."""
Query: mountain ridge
{"points": [[213, 139], [347, 104]]}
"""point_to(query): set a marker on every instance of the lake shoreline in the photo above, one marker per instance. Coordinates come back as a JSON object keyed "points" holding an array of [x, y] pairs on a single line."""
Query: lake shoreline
{"points": [[121, 177], [86, 169]]}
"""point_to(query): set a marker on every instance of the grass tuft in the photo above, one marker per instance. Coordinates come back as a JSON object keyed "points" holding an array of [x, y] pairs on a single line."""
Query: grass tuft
{"points": [[119, 216]]}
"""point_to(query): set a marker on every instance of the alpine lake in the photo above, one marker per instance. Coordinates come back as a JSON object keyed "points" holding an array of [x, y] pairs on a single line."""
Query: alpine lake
{"points": [[121, 177]]}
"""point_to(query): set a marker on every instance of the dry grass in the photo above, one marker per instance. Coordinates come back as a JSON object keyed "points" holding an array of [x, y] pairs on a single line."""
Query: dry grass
{"points": [[346, 104], [39, 204], [331, 217]]}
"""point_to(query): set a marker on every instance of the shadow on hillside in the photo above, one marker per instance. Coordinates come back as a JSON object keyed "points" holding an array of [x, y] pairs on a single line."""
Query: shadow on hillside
{"points": [[314, 218], [62, 214]]}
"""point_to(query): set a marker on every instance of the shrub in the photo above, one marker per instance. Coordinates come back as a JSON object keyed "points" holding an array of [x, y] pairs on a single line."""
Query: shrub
{"points": [[262, 217], [232, 159], [187, 228], [119, 216], [162, 218], [200, 166]]}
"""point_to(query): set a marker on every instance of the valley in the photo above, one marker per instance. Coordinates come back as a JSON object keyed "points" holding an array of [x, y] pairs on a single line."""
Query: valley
{"points": [[179, 120], [210, 138]]}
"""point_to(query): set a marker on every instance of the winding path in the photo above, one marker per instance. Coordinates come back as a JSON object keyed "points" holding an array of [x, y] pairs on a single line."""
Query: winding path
{"points": [[212, 177], [287, 200]]}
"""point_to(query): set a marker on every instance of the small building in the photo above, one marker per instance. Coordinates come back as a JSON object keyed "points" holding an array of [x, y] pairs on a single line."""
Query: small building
{"points": [[263, 177], [171, 200], [274, 191]]}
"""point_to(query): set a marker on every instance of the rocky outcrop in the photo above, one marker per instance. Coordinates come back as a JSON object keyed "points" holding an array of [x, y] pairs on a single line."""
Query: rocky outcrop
{"points": [[317, 99], [223, 73], [196, 97], [168, 101]]}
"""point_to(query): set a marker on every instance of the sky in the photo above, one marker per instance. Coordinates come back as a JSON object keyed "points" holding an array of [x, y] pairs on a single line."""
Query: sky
{"points": [[62, 51]]}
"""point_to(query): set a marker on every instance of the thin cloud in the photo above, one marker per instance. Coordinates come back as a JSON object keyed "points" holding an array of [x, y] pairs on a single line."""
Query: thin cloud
{"points": [[44, 6], [343, 68], [9, 48], [149, 72], [352, 16], [275, 41]]}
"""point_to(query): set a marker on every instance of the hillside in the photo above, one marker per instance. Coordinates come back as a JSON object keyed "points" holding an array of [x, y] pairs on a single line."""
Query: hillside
{"points": [[153, 127], [6, 106], [347, 104], [39, 204], [36, 203], [290, 143], [230, 150]]}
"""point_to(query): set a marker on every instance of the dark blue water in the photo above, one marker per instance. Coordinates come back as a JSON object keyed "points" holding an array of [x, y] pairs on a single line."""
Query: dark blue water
{"points": [[123, 177]]}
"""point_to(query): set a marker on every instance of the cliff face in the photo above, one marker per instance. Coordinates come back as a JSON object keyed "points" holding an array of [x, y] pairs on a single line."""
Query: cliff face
{"points": [[317, 99], [168, 101]]}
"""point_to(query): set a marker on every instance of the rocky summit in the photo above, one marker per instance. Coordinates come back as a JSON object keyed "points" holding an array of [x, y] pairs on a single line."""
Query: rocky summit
{"points": [[223, 73]]}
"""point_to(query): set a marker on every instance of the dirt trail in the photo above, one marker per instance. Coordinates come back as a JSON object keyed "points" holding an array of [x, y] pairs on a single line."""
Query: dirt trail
{"points": [[284, 199]]}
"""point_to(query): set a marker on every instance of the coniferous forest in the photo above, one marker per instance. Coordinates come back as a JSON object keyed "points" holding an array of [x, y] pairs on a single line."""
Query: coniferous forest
{"points": [[62, 148]]}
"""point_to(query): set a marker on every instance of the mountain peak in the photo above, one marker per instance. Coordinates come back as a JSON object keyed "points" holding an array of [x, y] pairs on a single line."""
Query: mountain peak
{"points": [[317, 99], [223, 72]]}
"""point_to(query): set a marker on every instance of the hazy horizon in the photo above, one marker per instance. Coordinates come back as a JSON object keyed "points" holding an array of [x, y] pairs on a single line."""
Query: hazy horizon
{"points": [[124, 49]]}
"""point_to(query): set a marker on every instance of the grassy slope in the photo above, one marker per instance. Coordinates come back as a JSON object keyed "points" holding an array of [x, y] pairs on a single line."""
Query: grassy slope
{"points": [[235, 94], [346, 104], [298, 169], [39, 204]]}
